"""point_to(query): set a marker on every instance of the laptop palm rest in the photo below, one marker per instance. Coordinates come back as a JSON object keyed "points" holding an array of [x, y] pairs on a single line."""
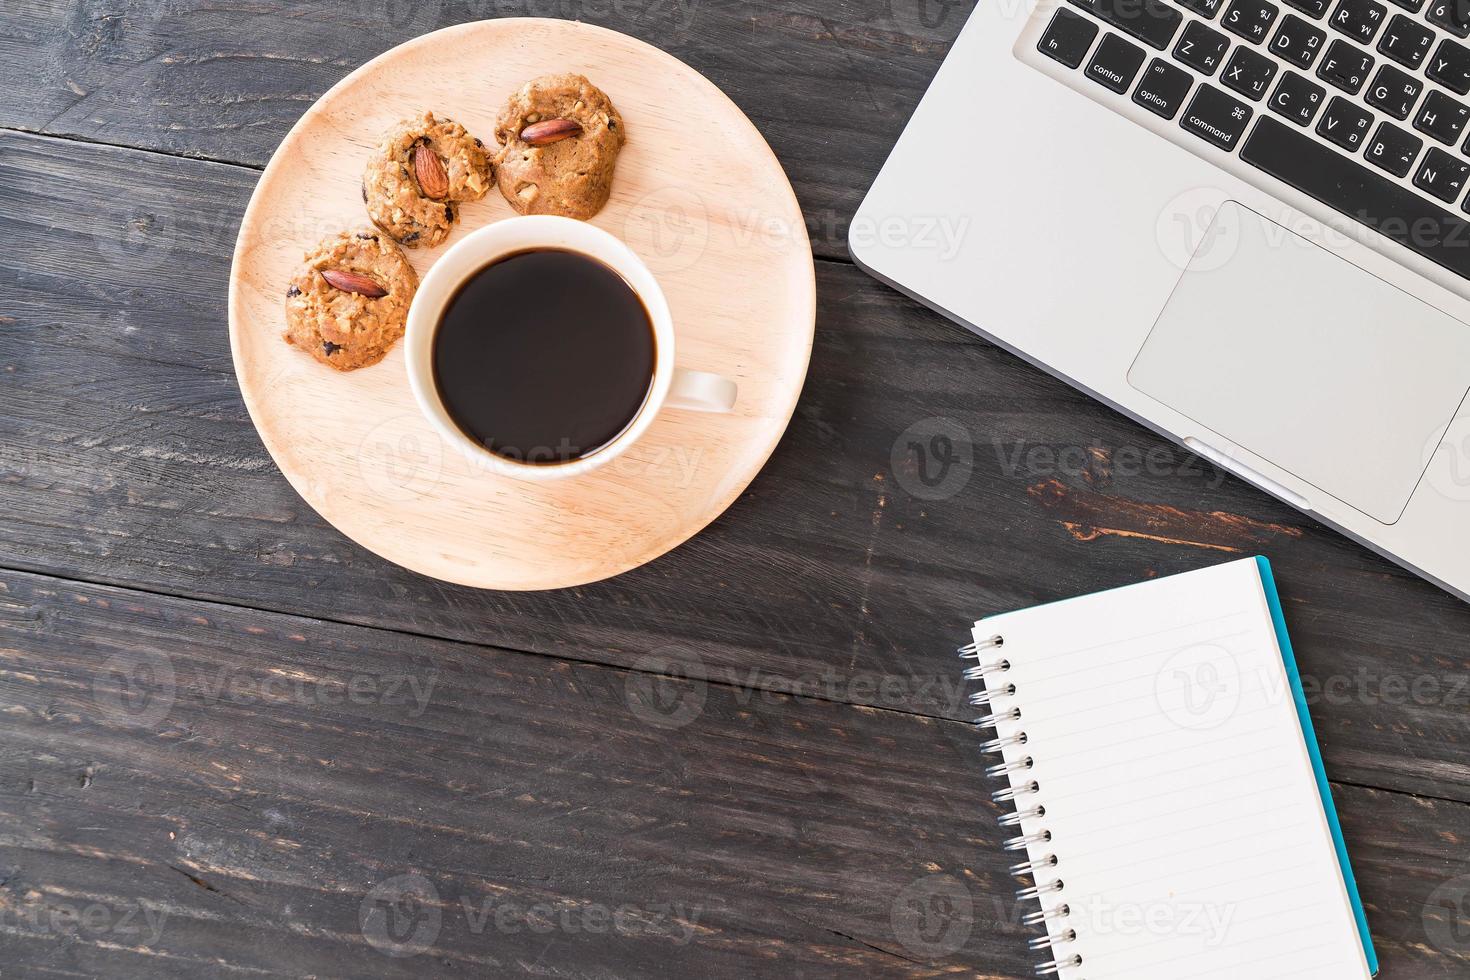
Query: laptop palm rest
{"points": [[1307, 361]]}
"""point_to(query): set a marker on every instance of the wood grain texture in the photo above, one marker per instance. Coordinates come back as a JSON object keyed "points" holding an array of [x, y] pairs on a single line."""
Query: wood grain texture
{"points": [[693, 198], [927, 478], [252, 786], [846, 571], [227, 81]]}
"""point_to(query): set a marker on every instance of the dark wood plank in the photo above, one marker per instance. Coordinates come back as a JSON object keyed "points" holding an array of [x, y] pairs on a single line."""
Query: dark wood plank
{"points": [[226, 81], [128, 458], [245, 785]]}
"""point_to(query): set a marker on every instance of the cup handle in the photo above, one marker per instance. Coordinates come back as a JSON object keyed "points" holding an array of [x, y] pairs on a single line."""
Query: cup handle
{"points": [[700, 391]]}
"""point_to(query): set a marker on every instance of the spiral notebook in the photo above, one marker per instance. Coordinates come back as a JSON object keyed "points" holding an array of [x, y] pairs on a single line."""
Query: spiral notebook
{"points": [[1169, 798]]}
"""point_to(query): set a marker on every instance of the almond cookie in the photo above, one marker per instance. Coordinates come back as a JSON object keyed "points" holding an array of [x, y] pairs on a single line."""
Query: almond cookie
{"points": [[559, 140], [348, 305], [422, 168]]}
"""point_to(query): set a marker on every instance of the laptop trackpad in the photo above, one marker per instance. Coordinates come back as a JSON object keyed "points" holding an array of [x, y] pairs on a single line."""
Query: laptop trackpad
{"points": [[1307, 361]]}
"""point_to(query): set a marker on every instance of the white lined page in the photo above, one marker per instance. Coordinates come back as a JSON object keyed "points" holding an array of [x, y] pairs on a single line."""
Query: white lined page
{"points": [[1179, 793]]}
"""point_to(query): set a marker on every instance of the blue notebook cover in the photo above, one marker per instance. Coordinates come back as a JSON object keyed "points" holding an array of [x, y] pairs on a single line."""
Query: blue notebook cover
{"points": [[1283, 641]]}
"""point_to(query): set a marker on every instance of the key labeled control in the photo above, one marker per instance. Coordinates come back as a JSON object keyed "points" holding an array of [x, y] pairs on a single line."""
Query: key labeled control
{"points": [[1067, 38], [1115, 63], [1216, 117]]}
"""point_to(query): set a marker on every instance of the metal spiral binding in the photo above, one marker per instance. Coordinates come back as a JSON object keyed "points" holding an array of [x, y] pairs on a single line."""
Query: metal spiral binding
{"points": [[1051, 920]]}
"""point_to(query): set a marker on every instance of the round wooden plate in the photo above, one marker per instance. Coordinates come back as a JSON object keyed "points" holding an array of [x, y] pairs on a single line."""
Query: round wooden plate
{"points": [[698, 195]]}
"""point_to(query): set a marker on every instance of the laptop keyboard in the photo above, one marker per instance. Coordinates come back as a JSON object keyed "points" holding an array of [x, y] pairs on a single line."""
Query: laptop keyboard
{"points": [[1355, 103]]}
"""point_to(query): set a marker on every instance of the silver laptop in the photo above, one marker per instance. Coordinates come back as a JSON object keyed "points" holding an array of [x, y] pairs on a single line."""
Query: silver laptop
{"points": [[1241, 222]]}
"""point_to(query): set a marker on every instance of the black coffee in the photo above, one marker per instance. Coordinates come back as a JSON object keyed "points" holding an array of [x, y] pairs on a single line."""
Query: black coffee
{"points": [[544, 356]]}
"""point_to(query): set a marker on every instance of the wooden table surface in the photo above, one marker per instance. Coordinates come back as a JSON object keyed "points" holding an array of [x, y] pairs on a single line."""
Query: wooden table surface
{"points": [[232, 743]]}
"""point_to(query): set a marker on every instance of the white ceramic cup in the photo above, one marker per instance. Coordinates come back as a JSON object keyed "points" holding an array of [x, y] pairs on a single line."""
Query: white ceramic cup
{"points": [[671, 387]]}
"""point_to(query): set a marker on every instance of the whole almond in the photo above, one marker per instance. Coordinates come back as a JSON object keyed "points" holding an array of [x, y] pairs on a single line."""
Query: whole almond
{"points": [[550, 131], [433, 181], [354, 282]]}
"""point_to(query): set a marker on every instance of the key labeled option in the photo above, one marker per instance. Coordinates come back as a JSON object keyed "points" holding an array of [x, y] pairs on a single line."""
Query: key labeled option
{"points": [[1067, 38], [1296, 98], [1442, 175], [1115, 63], [1345, 123], [1216, 117], [1162, 88], [1249, 73]]}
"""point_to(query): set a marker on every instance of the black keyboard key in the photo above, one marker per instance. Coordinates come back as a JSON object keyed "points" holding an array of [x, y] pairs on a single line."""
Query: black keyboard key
{"points": [[1205, 8], [1359, 19], [1393, 149], [1442, 175], [1450, 66], [1216, 117], [1406, 41], [1163, 88], [1345, 185], [1442, 117], [1345, 66], [1296, 98], [1201, 48], [1452, 15], [1312, 8], [1345, 123], [1067, 38], [1412, 6], [1150, 21], [1115, 63], [1251, 19], [1297, 41], [1249, 73], [1394, 92]]}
